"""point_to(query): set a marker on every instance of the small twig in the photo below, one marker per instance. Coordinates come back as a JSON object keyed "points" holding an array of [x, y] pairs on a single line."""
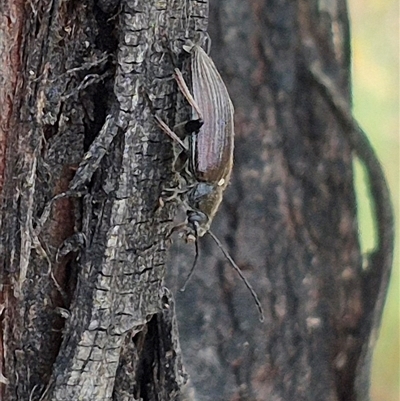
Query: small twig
{"points": [[89, 80]]}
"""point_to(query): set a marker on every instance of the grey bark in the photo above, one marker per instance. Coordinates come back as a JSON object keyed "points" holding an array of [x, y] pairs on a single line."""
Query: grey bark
{"points": [[78, 323], [289, 217], [86, 313]]}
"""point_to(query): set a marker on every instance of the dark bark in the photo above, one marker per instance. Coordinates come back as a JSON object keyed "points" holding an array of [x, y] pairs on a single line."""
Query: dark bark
{"points": [[85, 311], [288, 218]]}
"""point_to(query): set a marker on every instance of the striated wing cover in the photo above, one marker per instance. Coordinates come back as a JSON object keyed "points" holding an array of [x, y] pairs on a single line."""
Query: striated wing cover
{"points": [[214, 143]]}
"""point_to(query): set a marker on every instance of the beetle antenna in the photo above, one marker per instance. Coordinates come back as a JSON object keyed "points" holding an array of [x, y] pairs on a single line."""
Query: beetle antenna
{"points": [[236, 267], [196, 245]]}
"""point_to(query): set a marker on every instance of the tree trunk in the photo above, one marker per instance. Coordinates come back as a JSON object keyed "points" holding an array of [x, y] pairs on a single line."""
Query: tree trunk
{"points": [[86, 311]]}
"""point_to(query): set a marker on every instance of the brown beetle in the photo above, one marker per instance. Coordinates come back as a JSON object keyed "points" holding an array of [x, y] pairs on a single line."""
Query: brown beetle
{"points": [[211, 148], [208, 146]]}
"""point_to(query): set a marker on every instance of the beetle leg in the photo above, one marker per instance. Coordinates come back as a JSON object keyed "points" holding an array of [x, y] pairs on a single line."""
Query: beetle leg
{"points": [[175, 194], [191, 128], [171, 133], [188, 128], [186, 92]]}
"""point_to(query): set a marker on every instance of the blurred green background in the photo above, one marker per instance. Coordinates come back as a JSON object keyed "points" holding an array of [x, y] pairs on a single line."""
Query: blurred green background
{"points": [[375, 52]]}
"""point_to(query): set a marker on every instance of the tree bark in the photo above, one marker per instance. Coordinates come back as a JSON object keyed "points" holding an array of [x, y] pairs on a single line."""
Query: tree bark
{"points": [[86, 311]]}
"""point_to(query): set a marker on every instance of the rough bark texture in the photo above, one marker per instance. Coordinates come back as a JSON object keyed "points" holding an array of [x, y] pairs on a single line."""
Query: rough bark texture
{"points": [[86, 314], [85, 311]]}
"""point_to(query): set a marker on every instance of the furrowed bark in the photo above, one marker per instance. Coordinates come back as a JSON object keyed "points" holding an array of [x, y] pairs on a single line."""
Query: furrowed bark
{"points": [[82, 275]]}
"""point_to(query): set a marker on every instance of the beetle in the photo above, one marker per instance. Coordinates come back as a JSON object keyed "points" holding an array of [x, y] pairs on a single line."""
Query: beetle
{"points": [[211, 148], [207, 145]]}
